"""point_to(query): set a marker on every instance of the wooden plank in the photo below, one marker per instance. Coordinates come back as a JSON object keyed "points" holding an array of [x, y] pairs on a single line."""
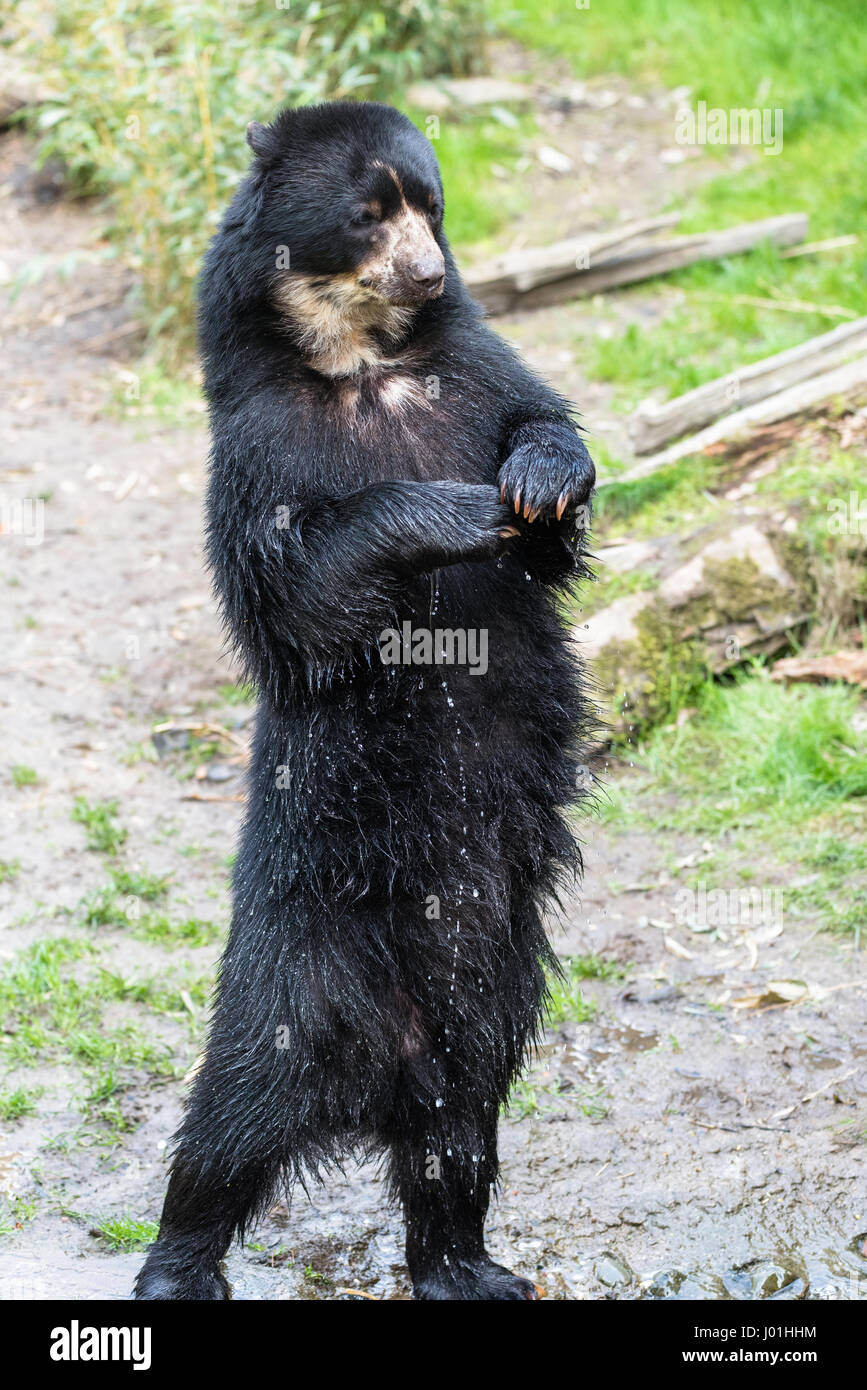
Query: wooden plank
{"points": [[652, 425], [792, 401], [547, 275]]}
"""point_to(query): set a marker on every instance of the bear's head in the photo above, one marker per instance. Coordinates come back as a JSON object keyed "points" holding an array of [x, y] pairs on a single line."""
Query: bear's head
{"points": [[344, 208]]}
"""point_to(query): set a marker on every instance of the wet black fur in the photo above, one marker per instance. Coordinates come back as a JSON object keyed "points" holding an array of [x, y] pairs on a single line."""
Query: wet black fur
{"points": [[402, 1033]]}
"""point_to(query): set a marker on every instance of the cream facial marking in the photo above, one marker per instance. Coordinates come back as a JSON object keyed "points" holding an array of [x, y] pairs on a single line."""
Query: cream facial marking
{"points": [[346, 323], [337, 323], [405, 261], [392, 173]]}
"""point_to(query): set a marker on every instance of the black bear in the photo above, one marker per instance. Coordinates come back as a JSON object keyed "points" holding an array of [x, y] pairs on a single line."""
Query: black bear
{"points": [[390, 489]]}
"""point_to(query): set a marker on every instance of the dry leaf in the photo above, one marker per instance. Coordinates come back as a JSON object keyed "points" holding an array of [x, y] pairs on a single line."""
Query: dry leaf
{"points": [[775, 994], [848, 666]]}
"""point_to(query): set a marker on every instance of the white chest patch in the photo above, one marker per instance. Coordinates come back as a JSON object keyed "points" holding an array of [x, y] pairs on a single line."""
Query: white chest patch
{"points": [[398, 393]]}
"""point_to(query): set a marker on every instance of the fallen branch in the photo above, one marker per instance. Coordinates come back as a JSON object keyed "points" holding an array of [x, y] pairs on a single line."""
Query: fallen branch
{"points": [[540, 276], [788, 306], [813, 248], [202, 729], [514, 274], [793, 401], [199, 796], [835, 1081], [652, 425]]}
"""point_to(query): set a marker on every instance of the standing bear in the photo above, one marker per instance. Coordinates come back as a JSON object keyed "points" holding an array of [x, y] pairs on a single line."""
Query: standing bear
{"points": [[383, 468]]}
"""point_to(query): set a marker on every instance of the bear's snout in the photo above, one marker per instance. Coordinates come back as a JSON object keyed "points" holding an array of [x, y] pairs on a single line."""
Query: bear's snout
{"points": [[429, 273], [406, 265]]}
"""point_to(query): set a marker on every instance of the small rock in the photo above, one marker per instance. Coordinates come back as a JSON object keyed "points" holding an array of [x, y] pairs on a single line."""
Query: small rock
{"points": [[220, 772], [554, 160], [468, 92], [666, 1284], [744, 543], [612, 1271], [170, 741]]}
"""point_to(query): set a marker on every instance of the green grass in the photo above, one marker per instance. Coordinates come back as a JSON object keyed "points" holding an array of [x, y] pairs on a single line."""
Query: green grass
{"points": [[758, 753], [102, 1103], [190, 931], [99, 819], [665, 501], [159, 997], [119, 904], [832, 881], [566, 1003], [105, 906], [17, 1103], [18, 1211], [23, 776], [595, 967], [523, 1099], [478, 205], [711, 335], [237, 694], [125, 1233], [9, 869], [50, 1012]]}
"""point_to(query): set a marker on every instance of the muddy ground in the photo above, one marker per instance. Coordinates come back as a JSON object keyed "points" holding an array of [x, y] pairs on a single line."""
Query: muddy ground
{"points": [[697, 1137]]}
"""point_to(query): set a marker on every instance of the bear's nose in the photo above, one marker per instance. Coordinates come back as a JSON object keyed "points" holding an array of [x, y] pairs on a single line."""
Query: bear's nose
{"points": [[428, 271]]}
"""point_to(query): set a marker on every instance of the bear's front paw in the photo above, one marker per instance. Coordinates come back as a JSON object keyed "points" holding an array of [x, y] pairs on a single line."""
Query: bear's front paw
{"points": [[540, 482]]}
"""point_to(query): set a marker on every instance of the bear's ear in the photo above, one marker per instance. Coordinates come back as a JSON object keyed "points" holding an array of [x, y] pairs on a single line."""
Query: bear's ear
{"points": [[261, 140]]}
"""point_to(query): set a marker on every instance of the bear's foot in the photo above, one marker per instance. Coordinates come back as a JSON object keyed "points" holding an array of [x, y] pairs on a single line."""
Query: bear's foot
{"points": [[169, 1277], [473, 1280]]}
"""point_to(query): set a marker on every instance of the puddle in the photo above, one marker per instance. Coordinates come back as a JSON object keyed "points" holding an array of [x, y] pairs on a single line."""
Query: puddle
{"points": [[618, 1036], [580, 1061]]}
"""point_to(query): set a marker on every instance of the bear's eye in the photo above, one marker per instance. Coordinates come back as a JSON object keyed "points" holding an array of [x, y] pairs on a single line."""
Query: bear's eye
{"points": [[436, 211], [367, 215]]}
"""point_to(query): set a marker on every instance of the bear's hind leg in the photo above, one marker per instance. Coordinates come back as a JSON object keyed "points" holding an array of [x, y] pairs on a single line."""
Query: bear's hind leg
{"points": [[200, 1218], [230, 1152], [442, 1174]]}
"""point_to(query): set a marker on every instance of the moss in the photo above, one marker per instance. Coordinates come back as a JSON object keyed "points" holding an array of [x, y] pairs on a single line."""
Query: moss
{"points": [[796, 557], [737, 587], [648, 679]]}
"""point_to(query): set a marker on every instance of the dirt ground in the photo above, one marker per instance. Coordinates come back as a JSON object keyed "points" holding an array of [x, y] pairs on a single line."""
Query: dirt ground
{"points": [[676, 1145]]}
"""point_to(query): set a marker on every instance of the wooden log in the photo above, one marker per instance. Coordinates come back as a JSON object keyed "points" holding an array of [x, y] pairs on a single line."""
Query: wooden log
{"points": [[517, 272], [539, 276], [793, 401], [652, 425]]}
